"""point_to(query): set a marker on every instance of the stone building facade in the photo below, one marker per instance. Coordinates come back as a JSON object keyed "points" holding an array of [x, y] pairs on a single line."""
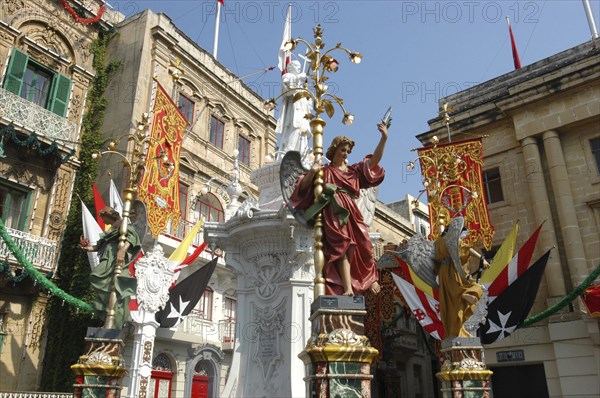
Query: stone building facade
{"points": [[230, 134], [541, 125], [46, 74]]}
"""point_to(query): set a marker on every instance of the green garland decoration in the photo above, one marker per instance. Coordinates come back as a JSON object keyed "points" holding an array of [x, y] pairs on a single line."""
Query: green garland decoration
{"points": [[38, 277], [565, 301], [5, 267], [33, 142]]}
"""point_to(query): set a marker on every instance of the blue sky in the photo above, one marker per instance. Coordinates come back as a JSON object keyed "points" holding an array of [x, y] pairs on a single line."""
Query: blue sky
{"points": [[414, 53]]}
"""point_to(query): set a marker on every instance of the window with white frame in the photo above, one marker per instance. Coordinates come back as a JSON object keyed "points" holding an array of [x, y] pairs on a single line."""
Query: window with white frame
{"points": [[205, 305], [210, 208]]}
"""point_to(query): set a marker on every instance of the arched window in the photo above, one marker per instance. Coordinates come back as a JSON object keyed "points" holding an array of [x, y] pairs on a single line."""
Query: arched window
{"points": [[162, 377], [209, 206], [203, 383]]}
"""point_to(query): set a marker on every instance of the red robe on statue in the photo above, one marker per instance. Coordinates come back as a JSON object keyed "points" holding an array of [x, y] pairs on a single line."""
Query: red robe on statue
{"points": [[351, 239]]}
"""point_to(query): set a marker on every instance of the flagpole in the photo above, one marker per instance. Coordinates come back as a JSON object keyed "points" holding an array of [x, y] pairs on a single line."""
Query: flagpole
{"points": [[513, 44], [590, 19], [217, 18]]}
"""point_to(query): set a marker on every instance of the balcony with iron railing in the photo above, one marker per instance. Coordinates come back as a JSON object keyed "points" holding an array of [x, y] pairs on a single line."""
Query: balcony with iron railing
{"points": [[30, 116], [197, 324], [183, 228], [40, 252]]}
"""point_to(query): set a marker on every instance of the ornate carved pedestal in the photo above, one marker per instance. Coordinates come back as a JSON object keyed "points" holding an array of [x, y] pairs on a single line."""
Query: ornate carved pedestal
{"points": [[99, 371], [338, 355], [270, 254], [463, 372]]}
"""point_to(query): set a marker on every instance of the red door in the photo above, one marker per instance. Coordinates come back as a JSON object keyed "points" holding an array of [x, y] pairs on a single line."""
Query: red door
{"points": [[200, 386], [161, 384]]}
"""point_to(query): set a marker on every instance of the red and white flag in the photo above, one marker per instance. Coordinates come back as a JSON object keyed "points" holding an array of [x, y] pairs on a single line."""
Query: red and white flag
{"points": [[99, 205], [515, 268], [285, 56], [513, 44], [91, 231], [425, 308]]}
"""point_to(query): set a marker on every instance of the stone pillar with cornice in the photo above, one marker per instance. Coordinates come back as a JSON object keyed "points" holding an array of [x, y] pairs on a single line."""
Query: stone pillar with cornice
{"points": [[565, 205], [542, 213], [270, 253]]}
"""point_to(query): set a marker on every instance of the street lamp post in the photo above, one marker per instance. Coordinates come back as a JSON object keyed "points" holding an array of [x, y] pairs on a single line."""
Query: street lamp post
{"points": [[135, 166], [338, 355], [320, 62]]}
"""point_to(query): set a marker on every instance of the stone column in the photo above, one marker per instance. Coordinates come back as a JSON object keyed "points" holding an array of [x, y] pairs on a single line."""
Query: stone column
{"points": [[270, 254], [338, 355], [565, 206], [542, 213]]}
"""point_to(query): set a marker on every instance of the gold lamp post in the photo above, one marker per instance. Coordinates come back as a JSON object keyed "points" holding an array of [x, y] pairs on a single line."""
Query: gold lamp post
{"points": [[321, 62], [136, 166]]}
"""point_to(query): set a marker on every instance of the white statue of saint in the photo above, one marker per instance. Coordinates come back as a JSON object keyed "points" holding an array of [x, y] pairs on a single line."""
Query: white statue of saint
{"points": [[292, 125]]}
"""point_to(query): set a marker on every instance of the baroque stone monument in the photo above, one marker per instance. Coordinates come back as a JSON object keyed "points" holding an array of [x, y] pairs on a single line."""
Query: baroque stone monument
{"points": [[271, 256]]}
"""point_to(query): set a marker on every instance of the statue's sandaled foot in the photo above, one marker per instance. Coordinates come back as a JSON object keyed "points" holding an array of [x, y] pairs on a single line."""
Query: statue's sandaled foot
{"points": [[375, 288], [348, 293], [469, 298]]}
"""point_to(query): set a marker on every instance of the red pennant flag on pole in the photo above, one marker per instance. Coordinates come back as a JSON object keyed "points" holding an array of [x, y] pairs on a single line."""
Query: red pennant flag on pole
{"points": [[515, 53], [99, 205]]}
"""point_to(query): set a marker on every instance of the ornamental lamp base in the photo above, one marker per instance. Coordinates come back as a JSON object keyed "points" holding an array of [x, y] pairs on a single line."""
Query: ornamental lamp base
{"points": [[463, 372], [338, 355], [99, 371]]}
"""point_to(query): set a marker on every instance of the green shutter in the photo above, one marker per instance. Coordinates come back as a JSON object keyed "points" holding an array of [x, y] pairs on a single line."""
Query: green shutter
{"points": [[61, 90], [16, 72]]}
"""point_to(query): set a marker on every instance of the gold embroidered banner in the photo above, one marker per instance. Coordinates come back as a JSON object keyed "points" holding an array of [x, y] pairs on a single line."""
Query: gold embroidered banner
{"points": [[159, 188], [452, 174]]}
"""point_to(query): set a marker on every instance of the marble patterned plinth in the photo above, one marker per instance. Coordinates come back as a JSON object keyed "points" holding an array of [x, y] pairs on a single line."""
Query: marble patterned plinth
{"points": [[463, 373], [100, 370], [338, 354]]}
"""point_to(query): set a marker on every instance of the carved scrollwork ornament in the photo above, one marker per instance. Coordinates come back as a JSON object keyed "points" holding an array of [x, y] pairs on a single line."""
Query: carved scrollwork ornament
{"points": [[470, 364], [154, 278], [344, 337], [56, 219], [97, 357]]}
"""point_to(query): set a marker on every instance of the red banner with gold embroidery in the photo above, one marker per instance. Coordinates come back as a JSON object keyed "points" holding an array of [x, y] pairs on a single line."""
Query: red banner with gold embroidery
{"points": [[452, 177], [159, 188]]}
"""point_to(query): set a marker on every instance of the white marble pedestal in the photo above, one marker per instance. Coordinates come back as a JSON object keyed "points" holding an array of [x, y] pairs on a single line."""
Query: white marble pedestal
{"points": [[271, 256]]}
